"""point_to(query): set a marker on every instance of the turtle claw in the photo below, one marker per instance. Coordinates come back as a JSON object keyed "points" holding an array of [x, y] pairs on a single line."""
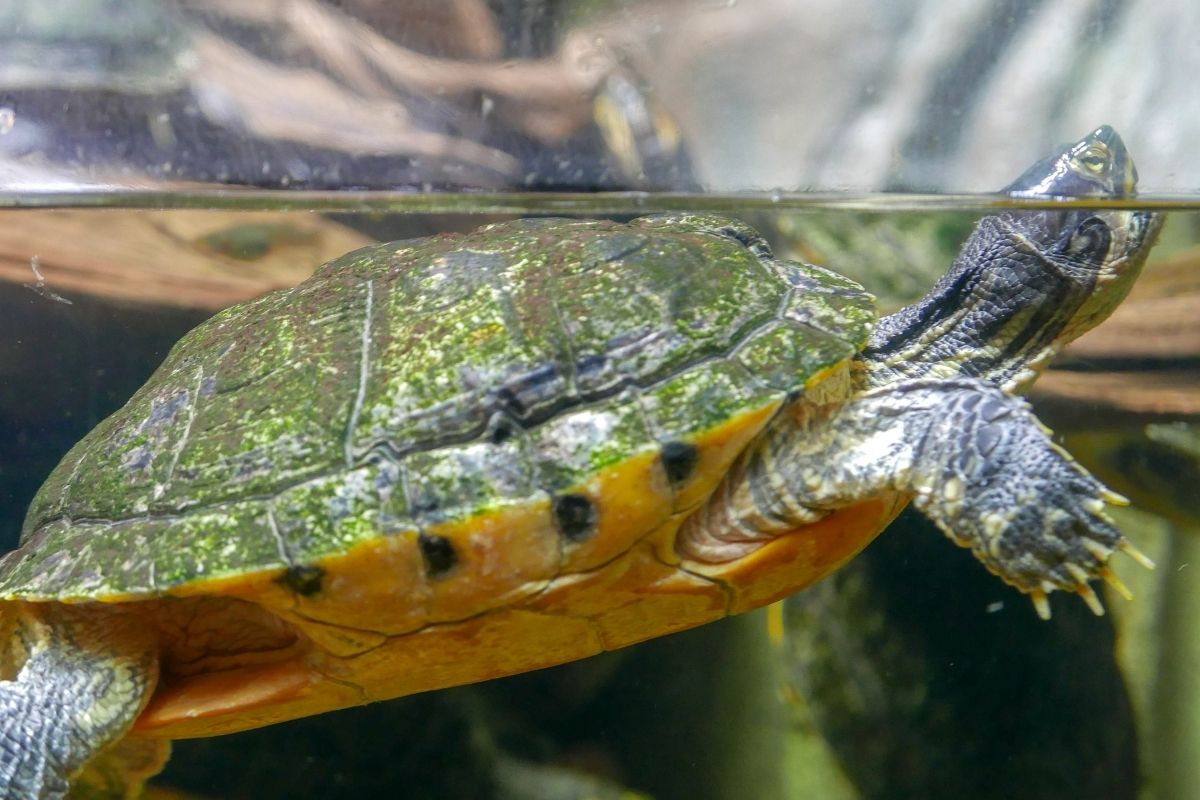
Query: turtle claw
{"points": [[1128, 548], [1098, 551], [1114, 498], [1078, 573], [1040, 603], [1112, 580], [1089, 597]]}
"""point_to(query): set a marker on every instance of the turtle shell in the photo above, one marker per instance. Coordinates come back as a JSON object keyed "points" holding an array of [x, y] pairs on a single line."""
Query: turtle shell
{"points": [[461, 438]]}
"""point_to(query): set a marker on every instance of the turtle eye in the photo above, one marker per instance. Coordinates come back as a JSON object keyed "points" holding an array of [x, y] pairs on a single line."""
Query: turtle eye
{"points": [[1095, 159]]}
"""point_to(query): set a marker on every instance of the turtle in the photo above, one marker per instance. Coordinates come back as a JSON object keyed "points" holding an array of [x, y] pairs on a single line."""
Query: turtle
{"points": [[449, 459]]}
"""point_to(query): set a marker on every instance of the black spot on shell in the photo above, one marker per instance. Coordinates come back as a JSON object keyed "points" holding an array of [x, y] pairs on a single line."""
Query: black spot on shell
{"points": [[425, 504], [749, 238], [500, 430], [303, 579], [508, 400], [591, 363], [679, 460], [438, 553], [574, 516]]}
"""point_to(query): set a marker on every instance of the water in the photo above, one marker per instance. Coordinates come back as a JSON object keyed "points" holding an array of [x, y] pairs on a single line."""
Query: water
{"points": [[564, 203], [912, 672]]}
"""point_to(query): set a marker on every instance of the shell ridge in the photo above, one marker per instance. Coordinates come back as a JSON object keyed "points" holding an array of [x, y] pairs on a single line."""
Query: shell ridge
{"points": [[187, 429], [572, 377], [363, 373], [285, 553]]}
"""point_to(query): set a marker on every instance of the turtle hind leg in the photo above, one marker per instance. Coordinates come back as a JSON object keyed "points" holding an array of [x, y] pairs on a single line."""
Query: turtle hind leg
{"points": [[84, 676], [121, 770]]}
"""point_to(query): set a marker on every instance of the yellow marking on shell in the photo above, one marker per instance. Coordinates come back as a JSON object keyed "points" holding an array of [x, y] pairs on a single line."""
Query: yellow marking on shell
{"points": [[953, 490], [829, 385], [635, 598], [501, 555], [380, 586], [630, 499], [632, 598], [379, 583]]}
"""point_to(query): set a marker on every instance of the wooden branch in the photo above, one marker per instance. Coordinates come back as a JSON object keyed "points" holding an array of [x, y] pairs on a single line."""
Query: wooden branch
{"points": [[191, 259]]}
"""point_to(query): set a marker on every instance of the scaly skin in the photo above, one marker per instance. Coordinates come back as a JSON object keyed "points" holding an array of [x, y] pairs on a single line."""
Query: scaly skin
{"points": [[932, 416], [83, 679]]}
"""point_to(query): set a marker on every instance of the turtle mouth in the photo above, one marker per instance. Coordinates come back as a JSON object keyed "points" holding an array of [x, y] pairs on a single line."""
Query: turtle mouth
{"points": [[1133, 234]]}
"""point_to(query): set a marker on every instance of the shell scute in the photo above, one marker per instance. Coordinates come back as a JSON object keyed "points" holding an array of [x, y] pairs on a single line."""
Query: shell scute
{"points": [[460, 481], [827, 301], [776, 354], [576, 445]]}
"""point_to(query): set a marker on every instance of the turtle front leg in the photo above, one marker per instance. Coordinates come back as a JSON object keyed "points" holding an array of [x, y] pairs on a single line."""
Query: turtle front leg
{"points": [[83, 679], [976, 461]]}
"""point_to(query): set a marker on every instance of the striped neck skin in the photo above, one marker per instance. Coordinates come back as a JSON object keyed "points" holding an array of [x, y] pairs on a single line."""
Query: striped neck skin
{"points": [[1024, 285]]}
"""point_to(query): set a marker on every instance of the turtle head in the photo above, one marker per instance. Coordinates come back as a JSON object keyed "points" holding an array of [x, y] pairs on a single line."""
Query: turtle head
{"points": [[1097, 253], [1028, 281], [1096, 165]]}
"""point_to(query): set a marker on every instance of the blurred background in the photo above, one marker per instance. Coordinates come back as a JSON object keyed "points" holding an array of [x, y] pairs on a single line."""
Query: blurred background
{"points": [[720, 95], [178, 153]]}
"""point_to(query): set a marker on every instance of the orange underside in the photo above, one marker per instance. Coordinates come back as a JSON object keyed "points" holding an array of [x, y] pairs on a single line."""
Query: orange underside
{"points": [[378, 629], [636, 597]]}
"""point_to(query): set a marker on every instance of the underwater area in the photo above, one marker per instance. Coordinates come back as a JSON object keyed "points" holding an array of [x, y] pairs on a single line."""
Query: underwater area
{"points": [[168, 164], [909, 672]]}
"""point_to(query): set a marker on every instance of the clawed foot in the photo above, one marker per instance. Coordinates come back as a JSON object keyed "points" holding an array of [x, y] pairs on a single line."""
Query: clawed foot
{"points": [[1039, 596], [1028, 511]]}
